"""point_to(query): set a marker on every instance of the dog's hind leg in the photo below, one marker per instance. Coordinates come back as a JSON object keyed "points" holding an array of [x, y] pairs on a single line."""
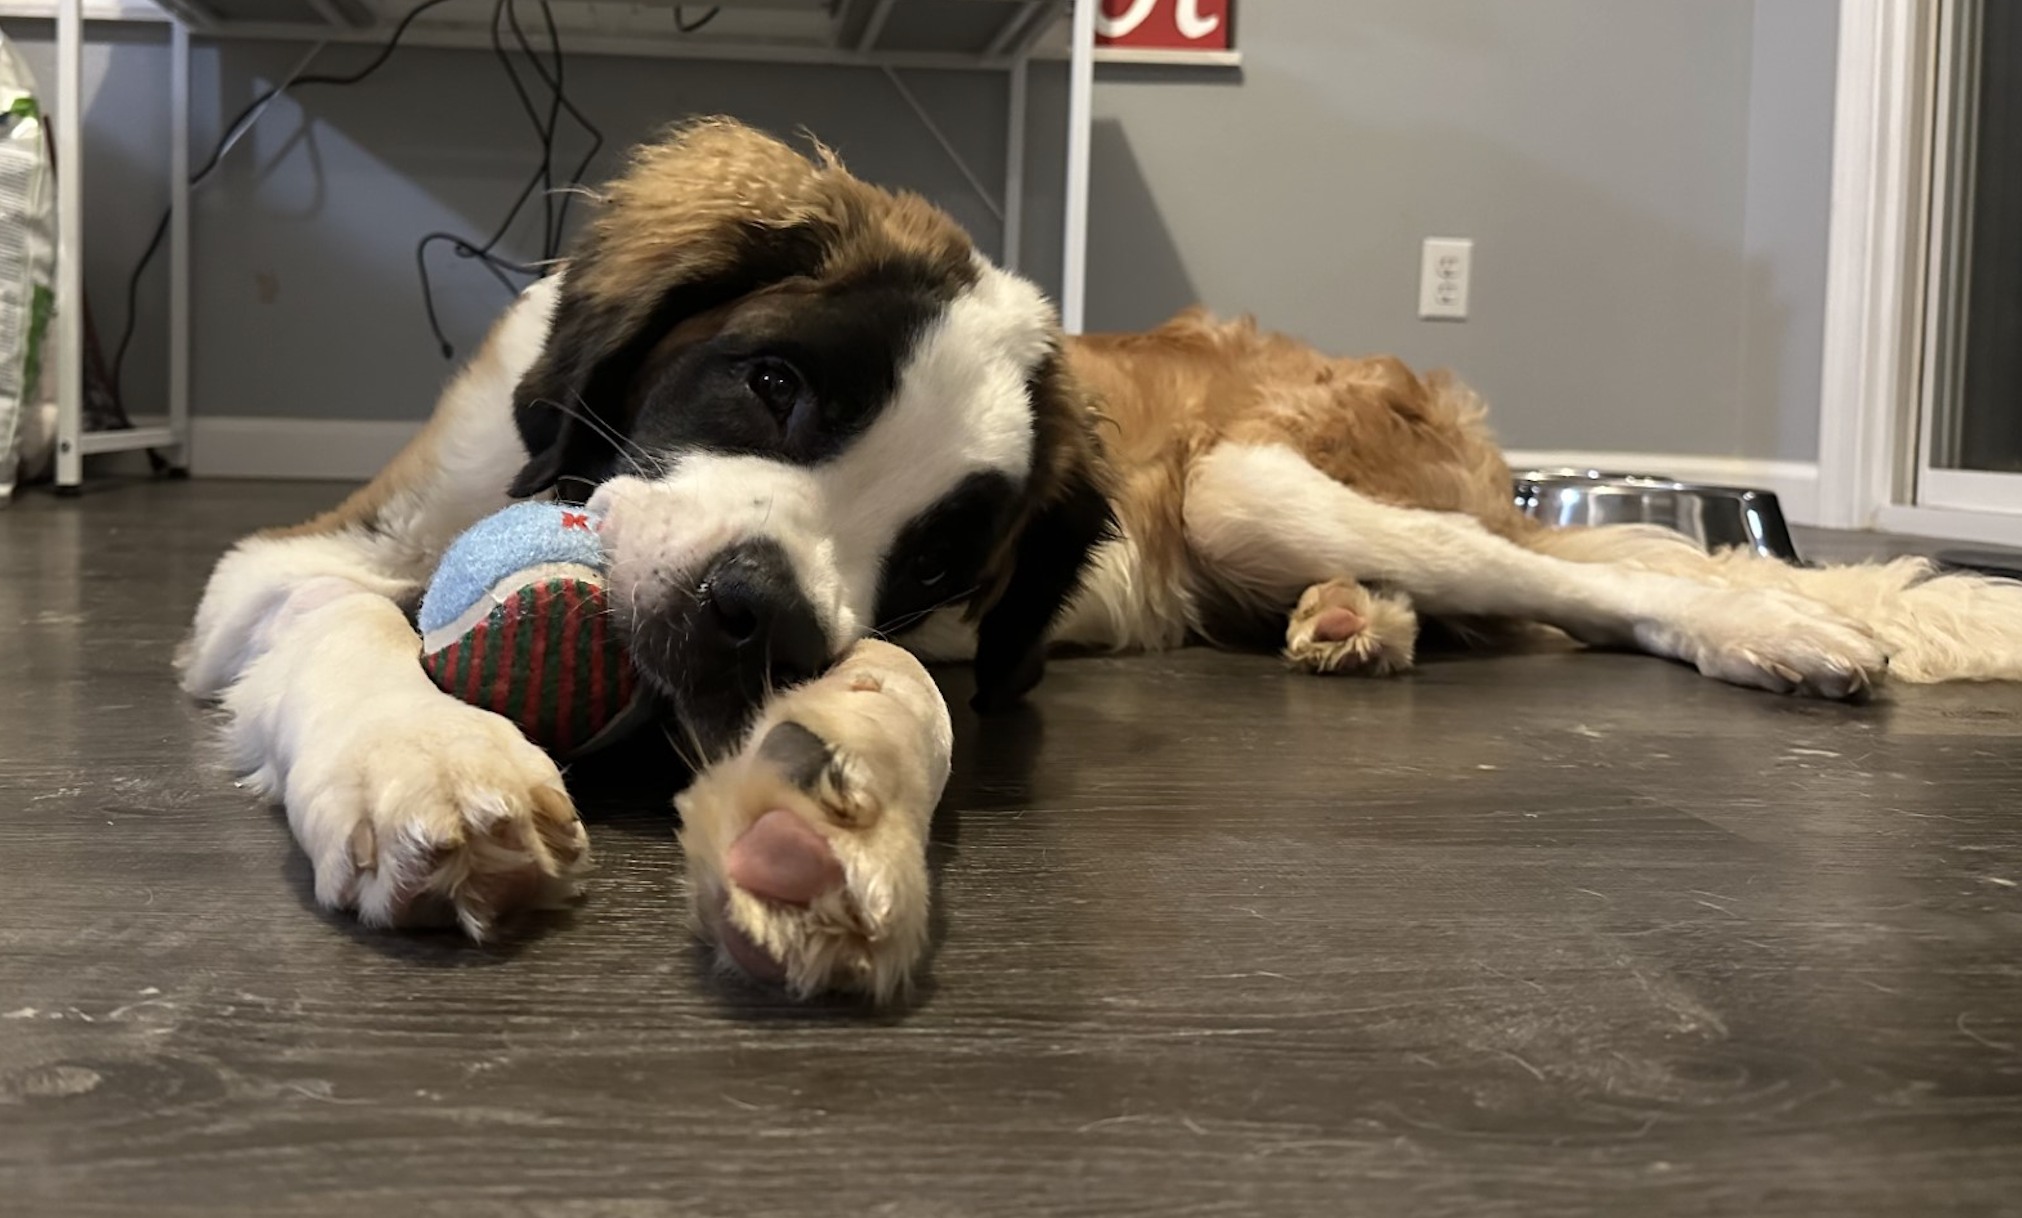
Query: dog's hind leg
{"points": [[1261, 518], [411, 805], [1936, 625]]}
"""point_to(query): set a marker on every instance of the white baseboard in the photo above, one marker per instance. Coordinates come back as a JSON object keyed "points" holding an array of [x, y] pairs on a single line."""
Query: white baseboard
{"points": [[1946, 524], [248, 446], [1795, 483]]}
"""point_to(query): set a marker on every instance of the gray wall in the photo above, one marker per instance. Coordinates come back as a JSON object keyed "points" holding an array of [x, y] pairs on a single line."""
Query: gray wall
{"points": [[306, 301], [1644, 179], [1646, 183], [1790, 115]]}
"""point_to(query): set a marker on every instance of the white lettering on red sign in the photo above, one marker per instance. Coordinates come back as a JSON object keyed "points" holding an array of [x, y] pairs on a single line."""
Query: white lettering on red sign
{"points": [[1124, 24], [1151, 24]]}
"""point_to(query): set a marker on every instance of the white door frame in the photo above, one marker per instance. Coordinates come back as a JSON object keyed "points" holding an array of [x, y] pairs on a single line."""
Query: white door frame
{"points": [[1880, 241]]}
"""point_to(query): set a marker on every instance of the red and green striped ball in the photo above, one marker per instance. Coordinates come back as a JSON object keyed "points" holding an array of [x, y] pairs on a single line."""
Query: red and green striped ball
{"points": [[535, 643]]}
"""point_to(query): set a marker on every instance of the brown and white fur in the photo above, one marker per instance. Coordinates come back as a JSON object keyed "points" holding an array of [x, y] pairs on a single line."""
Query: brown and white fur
{"points": [[1205, 481]]}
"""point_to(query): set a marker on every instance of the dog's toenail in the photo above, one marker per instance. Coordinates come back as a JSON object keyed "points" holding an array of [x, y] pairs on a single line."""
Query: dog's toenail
{"points": [[364, 847]]}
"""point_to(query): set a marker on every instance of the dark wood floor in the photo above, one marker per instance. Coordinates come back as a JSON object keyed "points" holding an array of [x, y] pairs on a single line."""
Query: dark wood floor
{"points": [[1551, 934]]}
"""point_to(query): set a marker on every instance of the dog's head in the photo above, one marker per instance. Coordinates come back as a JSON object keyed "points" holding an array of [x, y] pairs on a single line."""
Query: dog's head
{"points": [[810, 411]]}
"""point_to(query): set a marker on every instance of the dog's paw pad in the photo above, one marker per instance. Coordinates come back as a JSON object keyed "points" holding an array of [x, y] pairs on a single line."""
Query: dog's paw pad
{"points": [[751, 959], [782, 858], [1337, 625]]}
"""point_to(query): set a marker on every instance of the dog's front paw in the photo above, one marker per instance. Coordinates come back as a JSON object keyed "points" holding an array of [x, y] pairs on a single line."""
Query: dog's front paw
{"points": [[431, 812], [1784, 643], [1341, 627], [806, 851]]}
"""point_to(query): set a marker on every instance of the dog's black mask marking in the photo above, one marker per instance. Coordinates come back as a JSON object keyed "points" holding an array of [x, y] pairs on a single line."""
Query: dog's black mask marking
{"points": [[1052, 557], [938, 557], [570, 406], [798, 369], [1053, 548], [792, 376]]}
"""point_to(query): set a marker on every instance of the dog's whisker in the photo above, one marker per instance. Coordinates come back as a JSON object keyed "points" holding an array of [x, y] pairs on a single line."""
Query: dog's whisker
{"points": [[643, 463], [632, 455], [618, 440], [904, 622]]}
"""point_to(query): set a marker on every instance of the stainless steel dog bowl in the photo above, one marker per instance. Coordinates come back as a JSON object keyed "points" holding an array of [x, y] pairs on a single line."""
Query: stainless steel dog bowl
{"points": [[1717, 517]]}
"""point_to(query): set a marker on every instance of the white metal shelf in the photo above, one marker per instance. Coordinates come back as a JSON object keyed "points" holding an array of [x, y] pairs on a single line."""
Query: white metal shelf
{"points": [[92, 442], [971, 34], [976, 35], [73, 443]]}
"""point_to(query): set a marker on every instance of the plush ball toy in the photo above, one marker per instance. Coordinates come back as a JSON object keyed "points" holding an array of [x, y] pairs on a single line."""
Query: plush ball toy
{"points": [[517, 620]]}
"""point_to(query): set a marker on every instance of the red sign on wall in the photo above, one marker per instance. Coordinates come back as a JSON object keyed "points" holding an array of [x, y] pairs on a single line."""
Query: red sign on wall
{"points": [[1165, 25]]}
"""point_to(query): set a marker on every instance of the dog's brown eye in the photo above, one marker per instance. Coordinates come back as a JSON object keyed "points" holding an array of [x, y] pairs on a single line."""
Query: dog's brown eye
{"points": [[930, 568], [774, 383]]}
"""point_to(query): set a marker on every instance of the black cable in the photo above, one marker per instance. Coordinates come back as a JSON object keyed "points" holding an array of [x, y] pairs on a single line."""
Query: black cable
{"points": [[576, 175], [133, 307], [483, 253], [491, 262], [546, 129], [551, 246], [554, 223], [553, 128], [596, 134], [217, 154], [687, 27]]}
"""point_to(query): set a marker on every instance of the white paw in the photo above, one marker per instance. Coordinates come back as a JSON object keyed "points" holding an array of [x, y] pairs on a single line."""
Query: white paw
{"points": [[428, 811], [807, 851], [1340, 627], [1781, 642]]}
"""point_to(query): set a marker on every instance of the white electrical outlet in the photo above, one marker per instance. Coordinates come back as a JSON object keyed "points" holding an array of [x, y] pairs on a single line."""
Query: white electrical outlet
{"points": [[1442, 278]]}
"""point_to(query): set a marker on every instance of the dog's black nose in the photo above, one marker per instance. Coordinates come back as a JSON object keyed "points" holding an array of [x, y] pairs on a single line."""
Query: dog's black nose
{"points": [[718, 645], [753, 607]]}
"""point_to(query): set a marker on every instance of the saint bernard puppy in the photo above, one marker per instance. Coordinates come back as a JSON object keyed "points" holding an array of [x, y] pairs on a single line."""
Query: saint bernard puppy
{"points": [[812, 413]]}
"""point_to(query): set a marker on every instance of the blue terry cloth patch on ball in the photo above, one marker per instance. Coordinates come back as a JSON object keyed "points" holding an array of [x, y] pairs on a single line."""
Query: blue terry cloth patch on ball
{"points": [[521, 536]]}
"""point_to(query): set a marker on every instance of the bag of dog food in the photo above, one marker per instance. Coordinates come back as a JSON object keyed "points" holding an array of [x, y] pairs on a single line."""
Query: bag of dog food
{"points": [[27, 268]]}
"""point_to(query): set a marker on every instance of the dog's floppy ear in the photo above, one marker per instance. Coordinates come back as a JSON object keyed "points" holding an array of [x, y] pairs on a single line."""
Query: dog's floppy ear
{"points": [[1039, 567], [711, 213]]}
